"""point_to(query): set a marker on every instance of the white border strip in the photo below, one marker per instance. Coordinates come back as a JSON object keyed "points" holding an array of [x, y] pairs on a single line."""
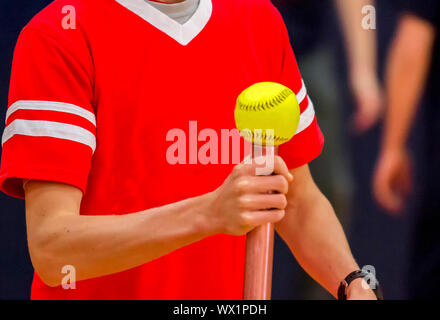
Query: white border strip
{"points": [[36, 128], [306, 118], [182, 33], [301, 95], [51, 106]]}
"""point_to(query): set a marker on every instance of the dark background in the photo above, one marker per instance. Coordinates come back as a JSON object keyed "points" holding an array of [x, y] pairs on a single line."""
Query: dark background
{"points": [[376, 239], [15, 267]]}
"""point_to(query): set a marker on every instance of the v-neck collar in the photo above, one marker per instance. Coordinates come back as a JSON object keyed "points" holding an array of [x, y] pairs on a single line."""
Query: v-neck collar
{"points": [[182, 33]]}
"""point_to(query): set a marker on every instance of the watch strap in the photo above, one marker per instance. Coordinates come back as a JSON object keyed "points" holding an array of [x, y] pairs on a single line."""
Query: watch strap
{"points": [[342, 294]]}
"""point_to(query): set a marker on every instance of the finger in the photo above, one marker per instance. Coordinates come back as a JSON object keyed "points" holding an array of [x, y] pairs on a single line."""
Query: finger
{"points": [[386, 196], [264, 165], [406, 180], [253, 202], [263, 184], [258, 218], [280, 167], [363, 122], [369, 112]]}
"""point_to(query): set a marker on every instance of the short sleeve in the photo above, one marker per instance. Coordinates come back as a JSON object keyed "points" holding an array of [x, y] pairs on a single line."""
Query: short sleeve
{"points": [[308, 141], [50, 129], [428, 10]]}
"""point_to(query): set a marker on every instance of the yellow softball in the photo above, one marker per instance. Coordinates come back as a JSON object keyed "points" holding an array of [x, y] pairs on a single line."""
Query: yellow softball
{"points": [[267, 113]]}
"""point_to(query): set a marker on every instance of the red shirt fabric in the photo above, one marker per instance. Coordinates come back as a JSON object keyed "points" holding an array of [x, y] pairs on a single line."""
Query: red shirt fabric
{"points": [[91, 106]]}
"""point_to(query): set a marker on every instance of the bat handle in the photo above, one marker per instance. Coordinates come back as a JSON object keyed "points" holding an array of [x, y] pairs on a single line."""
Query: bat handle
{"points": [[259, 259], [259, 263]]}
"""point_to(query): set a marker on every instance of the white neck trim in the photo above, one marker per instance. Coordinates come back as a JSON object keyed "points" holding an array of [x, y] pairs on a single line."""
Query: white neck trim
{"points": [[182, 33]]}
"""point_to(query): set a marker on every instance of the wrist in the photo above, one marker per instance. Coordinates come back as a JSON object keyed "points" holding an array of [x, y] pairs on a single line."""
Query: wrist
{"points": [[390, 148], [358, 287], [364, 72], [204, 219], [394, 141]]}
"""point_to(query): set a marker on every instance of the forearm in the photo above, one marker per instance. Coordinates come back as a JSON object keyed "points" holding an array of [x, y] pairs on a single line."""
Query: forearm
{"points": [[105, 244], [314, 235], [360, 43], [102, 245], [407, 70]]}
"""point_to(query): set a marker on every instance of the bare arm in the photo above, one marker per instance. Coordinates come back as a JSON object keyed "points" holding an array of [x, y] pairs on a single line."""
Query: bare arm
{"points": [[100, 245], [315, 236], [360, 43], [361, 46], [408, 66], [407, 70]]}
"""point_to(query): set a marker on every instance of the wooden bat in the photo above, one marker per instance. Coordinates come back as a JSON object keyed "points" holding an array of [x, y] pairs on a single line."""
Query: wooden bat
{"points": [[259, 262], [264, 105]]}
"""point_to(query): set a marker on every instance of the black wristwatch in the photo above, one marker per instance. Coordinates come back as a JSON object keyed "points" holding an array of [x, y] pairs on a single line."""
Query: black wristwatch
{"points": [[369, 277]]}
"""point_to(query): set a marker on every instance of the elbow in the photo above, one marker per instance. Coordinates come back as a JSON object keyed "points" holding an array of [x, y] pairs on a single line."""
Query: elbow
{"points": [[46, 264], [49, 279]]}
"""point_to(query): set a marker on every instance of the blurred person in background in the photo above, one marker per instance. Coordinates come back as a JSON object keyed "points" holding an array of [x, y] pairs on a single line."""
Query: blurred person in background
{"points": [[412, 79], [361, 46], [313, 29]]}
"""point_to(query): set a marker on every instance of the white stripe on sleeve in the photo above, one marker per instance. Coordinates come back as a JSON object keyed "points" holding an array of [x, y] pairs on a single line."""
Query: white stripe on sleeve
{"points": [[37, 128], [51, 106], [306, 118], [301, 95]]}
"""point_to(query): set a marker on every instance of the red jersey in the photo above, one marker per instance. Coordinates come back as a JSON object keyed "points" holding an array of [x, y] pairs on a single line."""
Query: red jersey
{"points": [[91, 104]]}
